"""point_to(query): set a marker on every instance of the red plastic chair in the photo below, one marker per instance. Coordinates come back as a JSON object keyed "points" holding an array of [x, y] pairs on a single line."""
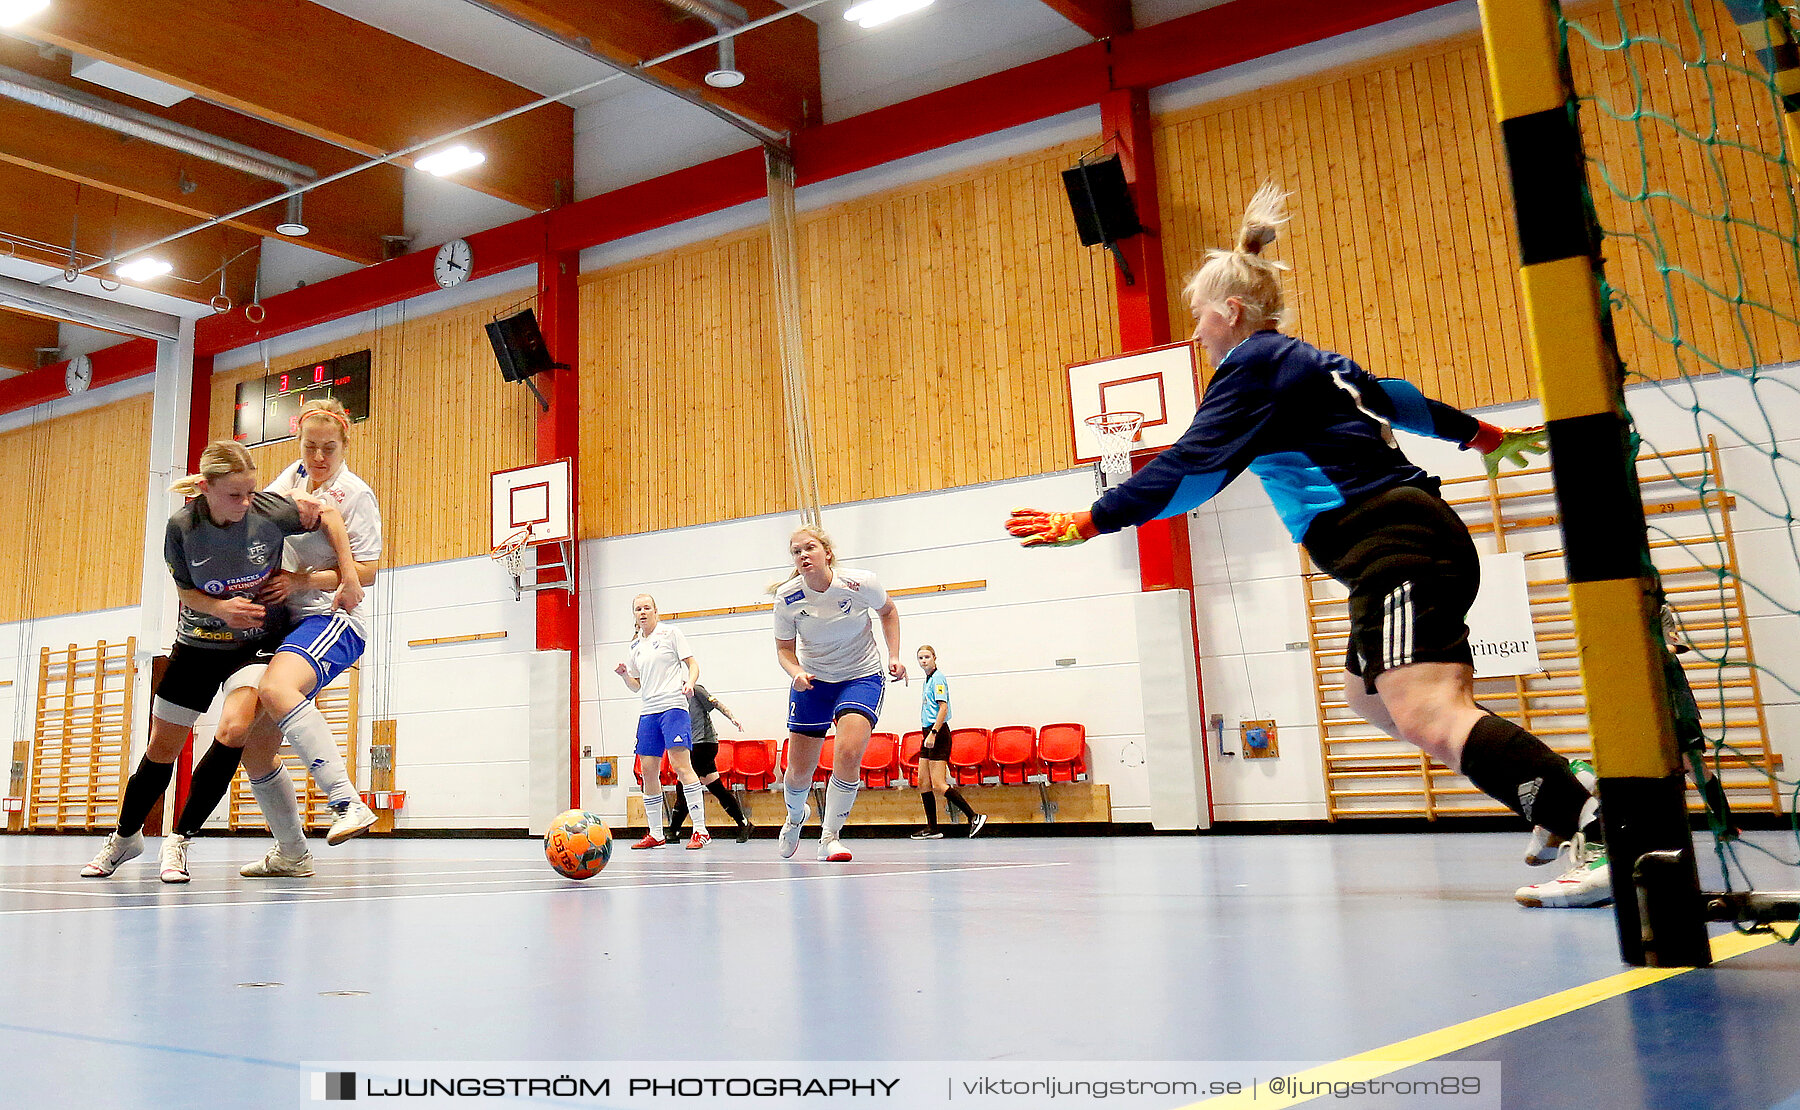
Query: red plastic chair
{"points": [[1015, 755], [909, 756], [1063, 750], [969, 750], [725, 760], [753, 763], [880, 761], [822, 773]]}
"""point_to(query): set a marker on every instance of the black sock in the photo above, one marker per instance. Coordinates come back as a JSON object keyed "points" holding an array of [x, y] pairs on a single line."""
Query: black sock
{"points": [[727, 801], [955, 798], [146, 784], [930, 801], [1520, 771], [678, 810], [211, 778]]}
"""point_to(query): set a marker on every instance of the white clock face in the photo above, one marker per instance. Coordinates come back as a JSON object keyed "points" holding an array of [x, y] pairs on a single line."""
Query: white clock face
{"points": [[79, 374], [454, 262]]}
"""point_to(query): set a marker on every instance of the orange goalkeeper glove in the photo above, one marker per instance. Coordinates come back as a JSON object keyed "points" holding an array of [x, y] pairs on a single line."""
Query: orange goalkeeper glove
{"points": [[1036, 528]]}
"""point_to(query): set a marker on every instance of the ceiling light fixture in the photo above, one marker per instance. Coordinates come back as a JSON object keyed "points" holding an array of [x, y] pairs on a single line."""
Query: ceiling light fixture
{"points": [[873, 13], [18, 11], [454, 160], [727, 75], [144, 269], [295, 224]]}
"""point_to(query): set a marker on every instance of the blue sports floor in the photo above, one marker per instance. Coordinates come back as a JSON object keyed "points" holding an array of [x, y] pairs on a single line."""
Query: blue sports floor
{"points": [[128, 993]]}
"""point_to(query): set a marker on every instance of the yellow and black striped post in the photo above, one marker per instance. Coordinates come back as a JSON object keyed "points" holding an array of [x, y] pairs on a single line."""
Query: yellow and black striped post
{"points": [[1768, 33], [1611, 584]]}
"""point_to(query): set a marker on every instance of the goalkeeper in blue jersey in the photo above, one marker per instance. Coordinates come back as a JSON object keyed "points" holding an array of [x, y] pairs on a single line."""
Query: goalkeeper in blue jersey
{"points": [[1318, 430]]}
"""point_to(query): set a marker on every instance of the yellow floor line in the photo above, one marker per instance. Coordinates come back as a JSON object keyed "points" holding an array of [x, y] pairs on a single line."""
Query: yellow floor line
{"points": [[1454, 1038]]}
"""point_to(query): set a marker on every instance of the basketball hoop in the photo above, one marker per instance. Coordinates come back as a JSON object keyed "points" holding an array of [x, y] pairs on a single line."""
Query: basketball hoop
{"points": [[1115, 432], [510, 552]]}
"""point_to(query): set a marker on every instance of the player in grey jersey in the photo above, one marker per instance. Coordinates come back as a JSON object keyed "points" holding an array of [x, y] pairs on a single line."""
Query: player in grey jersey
{"points": [[220, 548]]}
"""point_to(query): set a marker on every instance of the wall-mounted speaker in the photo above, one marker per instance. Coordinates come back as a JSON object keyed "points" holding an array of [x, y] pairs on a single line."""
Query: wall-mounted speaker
{"points": [[1101, 201], [519, 346]]}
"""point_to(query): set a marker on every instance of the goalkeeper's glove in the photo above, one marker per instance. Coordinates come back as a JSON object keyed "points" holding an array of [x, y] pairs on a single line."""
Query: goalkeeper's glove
{"points": [[1036, 528], [1513, 445]]}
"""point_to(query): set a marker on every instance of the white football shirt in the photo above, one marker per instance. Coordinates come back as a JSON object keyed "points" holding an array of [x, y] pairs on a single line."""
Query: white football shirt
{"points": [[312, 551], [656, 661], [837, 639]]}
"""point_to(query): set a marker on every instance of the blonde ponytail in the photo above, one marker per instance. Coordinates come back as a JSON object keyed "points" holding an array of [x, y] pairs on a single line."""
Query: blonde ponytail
{"points": [[222, 457], [1243, 272]]}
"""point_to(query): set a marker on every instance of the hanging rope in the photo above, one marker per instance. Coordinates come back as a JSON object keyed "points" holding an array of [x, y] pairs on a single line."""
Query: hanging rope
{"points": [[784, 253]]}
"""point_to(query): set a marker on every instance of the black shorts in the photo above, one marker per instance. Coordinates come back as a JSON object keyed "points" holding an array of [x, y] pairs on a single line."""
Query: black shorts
{"points": [[195, 674], [1412, 571], [936, 744], [706, 757]]}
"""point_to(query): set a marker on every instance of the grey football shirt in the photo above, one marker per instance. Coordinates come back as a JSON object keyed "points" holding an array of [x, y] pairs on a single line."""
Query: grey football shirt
{"points": [[228, 560]]}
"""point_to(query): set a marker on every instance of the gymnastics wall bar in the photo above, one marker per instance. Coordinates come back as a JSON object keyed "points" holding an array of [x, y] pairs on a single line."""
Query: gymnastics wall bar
{"points": [[338, 703], [1368, 774], [82, 738]]}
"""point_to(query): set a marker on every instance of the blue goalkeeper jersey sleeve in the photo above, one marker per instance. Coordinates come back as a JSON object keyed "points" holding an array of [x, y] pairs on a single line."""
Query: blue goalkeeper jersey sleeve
{"points": [[1315, 427]]}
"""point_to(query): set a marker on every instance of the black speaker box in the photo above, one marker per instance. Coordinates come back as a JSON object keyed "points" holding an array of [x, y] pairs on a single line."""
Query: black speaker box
{"points": [[519, 346], [1101, 201]]}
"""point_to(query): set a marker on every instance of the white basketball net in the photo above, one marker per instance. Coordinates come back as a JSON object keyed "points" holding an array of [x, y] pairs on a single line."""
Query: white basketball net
{"points": [[511, 552], [1116, 432]]}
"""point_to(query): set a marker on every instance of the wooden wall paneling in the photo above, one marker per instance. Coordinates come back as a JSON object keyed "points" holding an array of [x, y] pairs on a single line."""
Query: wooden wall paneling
{"points": [[61, 462]]}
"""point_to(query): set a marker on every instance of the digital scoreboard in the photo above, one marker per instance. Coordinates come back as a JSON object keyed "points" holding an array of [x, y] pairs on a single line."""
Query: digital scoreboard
{"points": [[268, 408]]}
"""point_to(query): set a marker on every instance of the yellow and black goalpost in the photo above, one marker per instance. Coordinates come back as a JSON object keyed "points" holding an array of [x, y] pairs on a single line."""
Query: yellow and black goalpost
{"points": [[1613, 585]]}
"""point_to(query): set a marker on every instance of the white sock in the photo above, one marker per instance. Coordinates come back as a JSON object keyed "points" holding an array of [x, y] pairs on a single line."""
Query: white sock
{"points": [[653, 813], [281, 811], [307, 730], [839, 797], [695, 793], [796, 803]]}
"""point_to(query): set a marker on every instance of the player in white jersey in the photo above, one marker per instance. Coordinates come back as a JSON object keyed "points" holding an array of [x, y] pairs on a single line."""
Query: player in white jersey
{"points": [[324, 642], [826, 644], [662, 671]]}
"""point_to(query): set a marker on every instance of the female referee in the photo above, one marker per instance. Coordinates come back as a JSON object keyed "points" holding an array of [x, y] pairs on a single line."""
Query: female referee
{"points": [[825, 643], [934, 753], [1318, 430]]}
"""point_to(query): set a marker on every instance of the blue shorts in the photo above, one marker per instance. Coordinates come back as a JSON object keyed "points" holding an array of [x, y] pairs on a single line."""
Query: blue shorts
{"points": [[660, 732], [331, 644], [813, 712]]}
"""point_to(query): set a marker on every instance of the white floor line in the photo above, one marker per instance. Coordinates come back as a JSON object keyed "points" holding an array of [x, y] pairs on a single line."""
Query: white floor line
{"points": [[186, 904]]}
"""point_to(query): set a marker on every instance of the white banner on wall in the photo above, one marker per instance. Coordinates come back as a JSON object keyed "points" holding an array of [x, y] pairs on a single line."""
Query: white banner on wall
{"points": [[1500, 631]]}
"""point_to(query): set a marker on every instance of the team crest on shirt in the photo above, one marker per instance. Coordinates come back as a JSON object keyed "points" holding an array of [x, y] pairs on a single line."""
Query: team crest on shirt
{"points": [[259, 552], [844, 606]]}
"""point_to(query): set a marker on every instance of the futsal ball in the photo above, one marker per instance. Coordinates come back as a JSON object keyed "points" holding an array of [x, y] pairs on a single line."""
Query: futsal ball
{"points": [[578, 844]]}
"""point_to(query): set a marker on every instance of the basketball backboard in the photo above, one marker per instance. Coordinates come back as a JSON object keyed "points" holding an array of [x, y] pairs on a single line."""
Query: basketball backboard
{"points": [[535, 496], [1161, 382]]}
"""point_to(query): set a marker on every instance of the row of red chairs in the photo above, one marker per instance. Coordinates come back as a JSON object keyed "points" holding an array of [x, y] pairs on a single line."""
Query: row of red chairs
{"points": [[1010, 754]]}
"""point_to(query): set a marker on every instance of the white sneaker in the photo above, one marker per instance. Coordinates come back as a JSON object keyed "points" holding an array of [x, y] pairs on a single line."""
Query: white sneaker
{"points": [[832, 850], [354, 821], [115, 851], [1545, 845], [1587, 882], [790, 836], [277, 865], [174, 858]]}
